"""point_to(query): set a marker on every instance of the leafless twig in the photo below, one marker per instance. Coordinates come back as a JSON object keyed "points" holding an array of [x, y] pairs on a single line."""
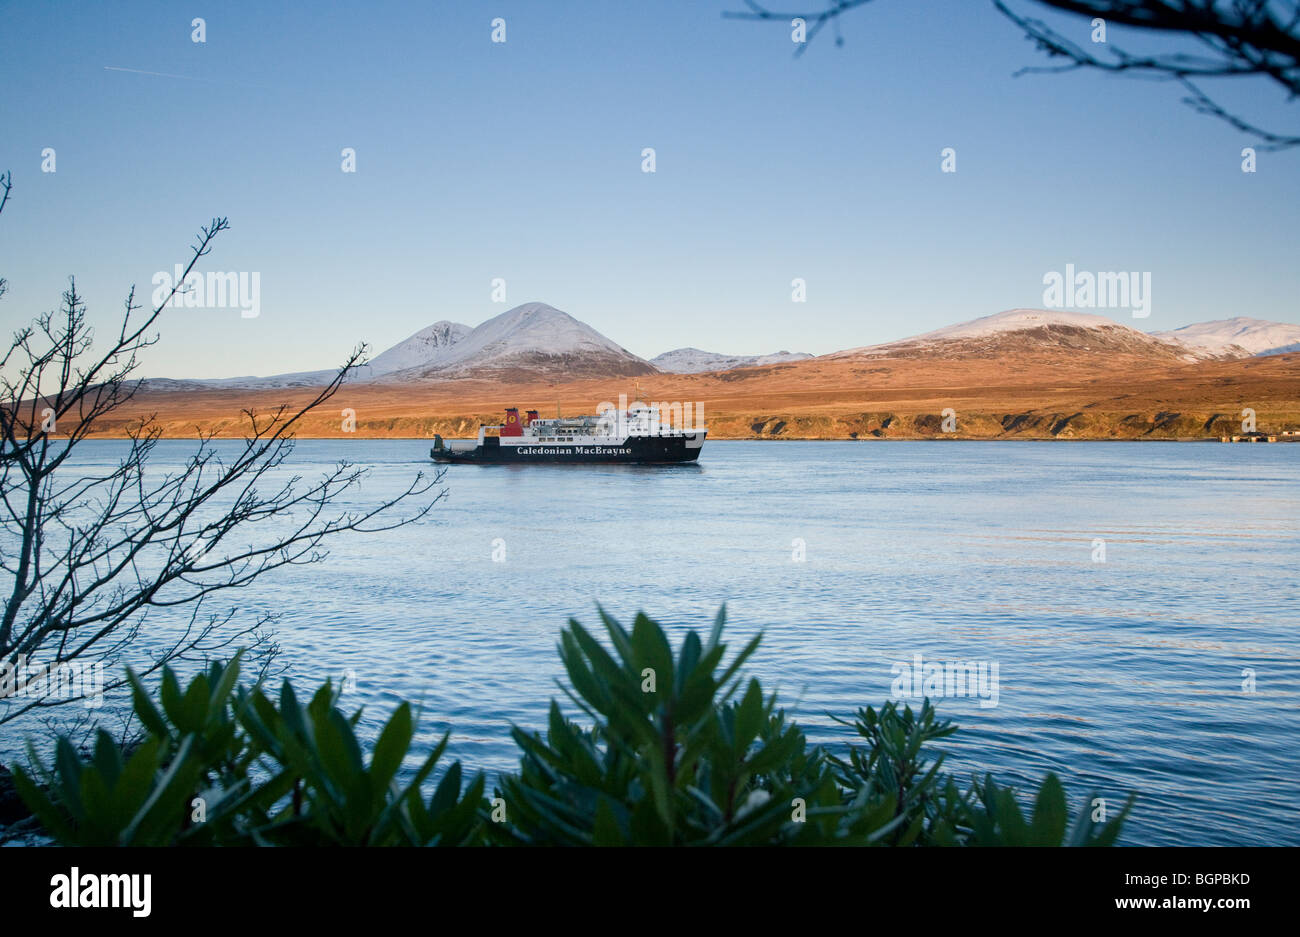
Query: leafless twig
{"points": [[1231, 39], [90, 557]]}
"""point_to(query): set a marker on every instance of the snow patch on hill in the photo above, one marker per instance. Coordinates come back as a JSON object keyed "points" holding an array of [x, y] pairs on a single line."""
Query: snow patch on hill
{"points": [[421, 348], [1239, 336], [695, 361], [1017, 320], [533, 335], [1046, 323]]}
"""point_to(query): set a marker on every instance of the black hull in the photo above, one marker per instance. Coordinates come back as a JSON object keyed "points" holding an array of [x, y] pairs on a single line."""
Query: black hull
{"points": [[637, 450]]}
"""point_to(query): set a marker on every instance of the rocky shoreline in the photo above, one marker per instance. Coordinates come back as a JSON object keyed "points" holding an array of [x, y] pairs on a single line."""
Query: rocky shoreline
{"points": [[1165, 426]]}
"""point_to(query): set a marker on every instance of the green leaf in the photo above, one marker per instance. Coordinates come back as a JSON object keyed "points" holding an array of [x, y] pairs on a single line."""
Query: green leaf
{"points": [[225, 685], [1050, 813], [653, 651], [169, 694], [108, 758], [160, 809], [149, 715], [715, 635], [55, 820], [69, 775], [750, 716], [606, 830], [193, 707], [393, 743], [444, 798]]}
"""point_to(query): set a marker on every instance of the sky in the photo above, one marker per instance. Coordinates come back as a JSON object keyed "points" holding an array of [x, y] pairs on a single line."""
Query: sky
{"points": [[523, 161]]}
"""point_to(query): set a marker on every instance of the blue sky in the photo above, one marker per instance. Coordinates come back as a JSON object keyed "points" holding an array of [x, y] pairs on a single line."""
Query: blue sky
{"points": [[522, 161]]}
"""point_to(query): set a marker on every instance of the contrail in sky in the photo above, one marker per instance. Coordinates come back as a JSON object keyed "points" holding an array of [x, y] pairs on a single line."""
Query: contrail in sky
{"points": [[137, 71], [208, 81]]}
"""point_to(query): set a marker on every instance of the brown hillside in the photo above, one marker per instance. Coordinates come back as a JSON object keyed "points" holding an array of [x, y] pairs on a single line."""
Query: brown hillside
{"points": [[1057, 391]]}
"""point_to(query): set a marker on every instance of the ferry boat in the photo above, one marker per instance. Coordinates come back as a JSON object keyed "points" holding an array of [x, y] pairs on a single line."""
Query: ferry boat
{"points": [[633, 435]]}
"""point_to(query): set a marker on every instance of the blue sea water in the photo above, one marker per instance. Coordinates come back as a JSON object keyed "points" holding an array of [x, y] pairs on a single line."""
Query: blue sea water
{"points": [[1123, 675]]}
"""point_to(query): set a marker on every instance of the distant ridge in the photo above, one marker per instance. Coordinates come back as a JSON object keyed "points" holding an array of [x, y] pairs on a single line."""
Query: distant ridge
{"points": [[695, 361], [1022, 373], [1238, 336], [1024, 331], [536, 340]]}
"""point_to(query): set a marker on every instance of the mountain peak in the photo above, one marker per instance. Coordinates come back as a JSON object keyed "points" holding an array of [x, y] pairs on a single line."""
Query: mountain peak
{"points": [[536, 337], [1017, 320], [536, 307], [1022, 330], [1236, 337], [420, 348]]}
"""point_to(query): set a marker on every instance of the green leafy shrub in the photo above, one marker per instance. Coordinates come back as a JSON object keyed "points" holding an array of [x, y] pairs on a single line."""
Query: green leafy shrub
{"points": [[930, 807], [333, 796], [671, 758], [678, 749], [226, 766], [144, 798]]}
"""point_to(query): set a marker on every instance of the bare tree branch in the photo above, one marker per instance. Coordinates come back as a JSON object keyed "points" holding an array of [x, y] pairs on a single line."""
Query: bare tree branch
{"points": [[91, 557], [1244, 38], [815, 20], [1232, 39]]}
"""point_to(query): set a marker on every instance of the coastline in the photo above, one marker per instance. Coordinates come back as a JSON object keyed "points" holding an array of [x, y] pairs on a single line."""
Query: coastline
{"points": [[359, 436], [1039, 397]]}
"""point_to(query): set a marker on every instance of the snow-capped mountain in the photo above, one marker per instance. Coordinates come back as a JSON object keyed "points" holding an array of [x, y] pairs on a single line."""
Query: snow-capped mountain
{"points": [[1237, 337], [536, 339], [1026, 329], [532, 337], [694, 361], [420, 349]]}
